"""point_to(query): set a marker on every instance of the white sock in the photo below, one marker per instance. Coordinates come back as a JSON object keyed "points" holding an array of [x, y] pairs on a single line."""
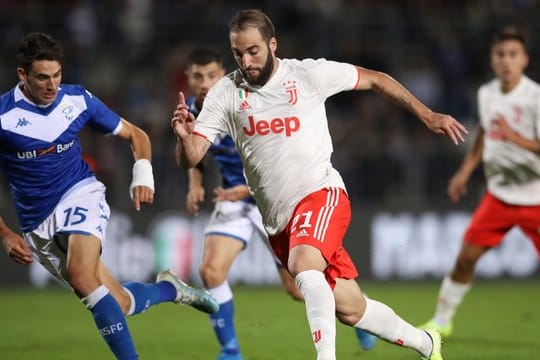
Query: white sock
{"points": [[222, 293], [450, 296], [321, 312], [94, 297], [382, 321]]}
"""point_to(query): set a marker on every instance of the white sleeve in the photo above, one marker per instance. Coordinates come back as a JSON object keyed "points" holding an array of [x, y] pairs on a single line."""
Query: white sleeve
{"points": [[212, 120], [332, 77]]}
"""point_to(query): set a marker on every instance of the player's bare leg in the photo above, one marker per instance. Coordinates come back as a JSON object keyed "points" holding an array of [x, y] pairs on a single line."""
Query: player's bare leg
{"points": [[218, 255], [468, 256]]}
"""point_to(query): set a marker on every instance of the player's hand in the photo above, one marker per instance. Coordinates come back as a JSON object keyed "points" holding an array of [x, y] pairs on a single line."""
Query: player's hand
{"points": [[194, 198], [503, 129], [142, 195], [443, 124], [457, 187], [182, 121], [235, 193], [17, 249]]}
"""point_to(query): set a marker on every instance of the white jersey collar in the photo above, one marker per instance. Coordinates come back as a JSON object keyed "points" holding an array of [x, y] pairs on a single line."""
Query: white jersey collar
{"points": [[19, 95]]}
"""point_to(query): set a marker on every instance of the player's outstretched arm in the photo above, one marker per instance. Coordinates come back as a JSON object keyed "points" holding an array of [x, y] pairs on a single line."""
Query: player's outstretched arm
{"points": [[142, 185], [14, 245], [384, 84], [190, 148]]}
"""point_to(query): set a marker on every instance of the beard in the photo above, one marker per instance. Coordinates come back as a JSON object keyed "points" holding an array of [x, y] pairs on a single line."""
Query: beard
{"points": [[265, 72]]}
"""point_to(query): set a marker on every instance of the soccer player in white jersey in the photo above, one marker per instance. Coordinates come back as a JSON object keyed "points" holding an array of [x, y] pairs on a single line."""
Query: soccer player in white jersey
{"points": [[235, 222], [508, 143], [274, 111], [61, 206]]}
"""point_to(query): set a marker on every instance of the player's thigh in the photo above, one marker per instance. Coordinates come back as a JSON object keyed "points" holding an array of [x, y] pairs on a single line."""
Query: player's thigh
{"points": [[350, 302], [220, 251], [82, 217], [83, 257]]}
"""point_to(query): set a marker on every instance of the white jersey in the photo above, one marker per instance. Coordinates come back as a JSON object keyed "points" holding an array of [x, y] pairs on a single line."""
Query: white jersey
{"points": [[513, 173], [280, 130]]}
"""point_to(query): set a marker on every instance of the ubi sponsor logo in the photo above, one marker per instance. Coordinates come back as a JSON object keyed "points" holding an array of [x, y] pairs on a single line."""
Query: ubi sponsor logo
{"points": [[287, 125], [53, 149]]}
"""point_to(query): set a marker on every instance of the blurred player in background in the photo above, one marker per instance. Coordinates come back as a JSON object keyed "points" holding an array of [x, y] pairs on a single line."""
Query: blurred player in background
{"points": [[508, 143], [274, 111], [61, 206]]}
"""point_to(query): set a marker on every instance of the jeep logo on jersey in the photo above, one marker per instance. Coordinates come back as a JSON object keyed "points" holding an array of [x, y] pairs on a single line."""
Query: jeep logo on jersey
{"points": [[276, 126]]}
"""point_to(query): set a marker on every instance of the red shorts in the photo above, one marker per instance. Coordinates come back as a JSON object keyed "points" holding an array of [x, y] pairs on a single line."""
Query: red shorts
{"points": [[320, 220], [493, 218]]}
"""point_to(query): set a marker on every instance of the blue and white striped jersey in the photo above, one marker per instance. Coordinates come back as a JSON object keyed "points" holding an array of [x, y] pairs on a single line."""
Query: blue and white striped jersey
{"points": [[223, 150], [39, 147]]}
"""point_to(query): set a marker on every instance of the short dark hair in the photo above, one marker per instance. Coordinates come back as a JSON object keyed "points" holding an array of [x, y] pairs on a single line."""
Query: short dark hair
{"points": [[204, 56], [37, 46], [254, 18], [509, 33]]}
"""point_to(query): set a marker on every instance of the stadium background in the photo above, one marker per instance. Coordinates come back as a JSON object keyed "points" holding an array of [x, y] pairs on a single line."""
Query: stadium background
{"points": [[132, 55]]}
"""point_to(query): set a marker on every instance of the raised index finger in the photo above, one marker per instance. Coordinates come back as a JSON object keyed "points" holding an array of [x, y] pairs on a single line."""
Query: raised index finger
{"points": [[181, 99]]}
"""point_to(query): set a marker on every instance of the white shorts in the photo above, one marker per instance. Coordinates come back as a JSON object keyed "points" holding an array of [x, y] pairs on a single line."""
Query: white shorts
{"points": [[82, 210], [238, 220]]}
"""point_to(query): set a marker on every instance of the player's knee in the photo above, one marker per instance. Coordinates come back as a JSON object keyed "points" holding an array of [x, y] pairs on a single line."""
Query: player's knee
{"points": [[303, 258], [212, 276], [82, 283], [299, 265], [349, 319]]}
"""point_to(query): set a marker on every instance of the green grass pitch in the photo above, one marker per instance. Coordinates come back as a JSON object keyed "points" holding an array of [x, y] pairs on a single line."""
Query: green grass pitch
{"points": [[499, 320]]}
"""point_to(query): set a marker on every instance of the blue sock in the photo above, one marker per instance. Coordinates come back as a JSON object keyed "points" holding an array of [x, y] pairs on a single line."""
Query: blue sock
{"points": [[365, 338], [147, 295], [111, 323], [223, 324]]}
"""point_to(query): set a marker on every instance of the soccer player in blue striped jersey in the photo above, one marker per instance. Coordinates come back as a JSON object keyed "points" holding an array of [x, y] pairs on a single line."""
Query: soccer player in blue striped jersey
{"points": [[61, 206], [235, 221]]}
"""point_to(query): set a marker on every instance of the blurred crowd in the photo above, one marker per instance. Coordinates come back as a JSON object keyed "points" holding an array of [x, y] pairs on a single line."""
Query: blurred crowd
{"points": [[132, 54]]}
